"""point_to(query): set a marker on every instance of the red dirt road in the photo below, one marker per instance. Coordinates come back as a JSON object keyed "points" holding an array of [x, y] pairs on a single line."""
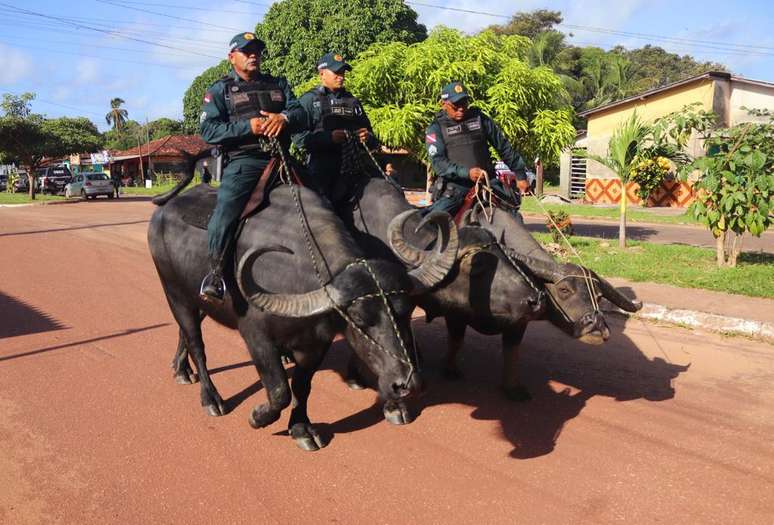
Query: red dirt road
{"points": [[661, 424]]}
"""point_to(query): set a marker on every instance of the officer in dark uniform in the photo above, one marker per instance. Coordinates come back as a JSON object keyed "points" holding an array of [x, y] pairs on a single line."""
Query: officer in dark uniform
{"points": [[458, 143], [240, 112], [335, 119]]}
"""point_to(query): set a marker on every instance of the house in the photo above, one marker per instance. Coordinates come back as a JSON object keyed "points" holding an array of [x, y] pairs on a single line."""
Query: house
{"points": [[166, 155], [725, 94]]}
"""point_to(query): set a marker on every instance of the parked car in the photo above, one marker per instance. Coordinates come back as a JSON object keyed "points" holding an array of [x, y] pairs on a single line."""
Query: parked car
{"points": [[89, 186], [53, 179], [506, 176]]}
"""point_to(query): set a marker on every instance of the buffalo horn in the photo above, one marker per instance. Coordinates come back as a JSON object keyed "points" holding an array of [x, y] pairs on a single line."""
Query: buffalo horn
{"points": [[285, 305], [432, 266], [612, 294], [547, 270]]}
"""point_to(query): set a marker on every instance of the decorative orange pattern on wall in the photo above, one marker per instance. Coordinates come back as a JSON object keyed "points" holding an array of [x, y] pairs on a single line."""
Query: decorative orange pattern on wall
{"points": [[608, 191]]}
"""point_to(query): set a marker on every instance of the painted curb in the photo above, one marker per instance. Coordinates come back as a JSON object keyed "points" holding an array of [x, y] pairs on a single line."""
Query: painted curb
{"points": [[760, 330]]}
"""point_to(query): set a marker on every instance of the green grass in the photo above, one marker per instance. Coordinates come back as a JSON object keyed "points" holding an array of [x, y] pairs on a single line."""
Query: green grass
{"points": [[634, 213], [683, 266], [24, 198], [161, 188]]}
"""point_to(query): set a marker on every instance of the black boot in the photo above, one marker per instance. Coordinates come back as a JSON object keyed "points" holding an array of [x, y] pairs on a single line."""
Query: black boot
{"points": [[213, 289]]}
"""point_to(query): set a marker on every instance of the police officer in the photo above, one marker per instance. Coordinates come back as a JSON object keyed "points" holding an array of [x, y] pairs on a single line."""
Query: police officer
{"points": [[240, 112], [335, 117], [458, 143]]}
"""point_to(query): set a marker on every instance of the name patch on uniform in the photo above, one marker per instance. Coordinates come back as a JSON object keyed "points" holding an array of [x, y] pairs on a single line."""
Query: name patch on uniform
{"points": [[454, 130], [240, 98], [342, 110], [473, 125]]}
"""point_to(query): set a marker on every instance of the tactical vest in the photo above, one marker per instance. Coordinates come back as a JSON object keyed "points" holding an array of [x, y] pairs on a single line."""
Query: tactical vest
{"points": [[342, 112], [466, 142], [246, 100]]}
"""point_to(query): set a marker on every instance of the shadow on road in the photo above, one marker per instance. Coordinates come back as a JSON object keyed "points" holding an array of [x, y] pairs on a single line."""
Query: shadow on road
{"points": [[122, 333], [561, 373], [73, 228], [19, 318], [603, 231]]}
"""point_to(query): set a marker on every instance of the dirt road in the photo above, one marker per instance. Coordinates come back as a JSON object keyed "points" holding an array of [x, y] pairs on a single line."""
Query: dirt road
{"points": [[660, 424]]}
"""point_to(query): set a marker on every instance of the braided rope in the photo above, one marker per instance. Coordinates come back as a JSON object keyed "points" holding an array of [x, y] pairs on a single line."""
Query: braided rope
{"points": [[308, 242]]}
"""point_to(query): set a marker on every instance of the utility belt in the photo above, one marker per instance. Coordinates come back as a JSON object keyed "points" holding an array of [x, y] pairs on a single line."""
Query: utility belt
{"points": [[452, 190]]}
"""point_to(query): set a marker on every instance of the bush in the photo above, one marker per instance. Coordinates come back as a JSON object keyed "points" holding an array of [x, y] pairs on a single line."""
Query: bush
{"points": [[559, 224]]}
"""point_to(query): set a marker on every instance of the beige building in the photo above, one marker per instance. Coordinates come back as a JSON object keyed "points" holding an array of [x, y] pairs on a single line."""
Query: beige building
{"points": [[722, 93]]}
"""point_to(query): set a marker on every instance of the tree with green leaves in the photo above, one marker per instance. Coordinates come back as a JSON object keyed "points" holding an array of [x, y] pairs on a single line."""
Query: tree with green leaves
{"points": [[17, 105], [298, 32], [399, 84], [117, 115], [529, 24], [194, 95], [28, 138], [129, 136], [163, 127], [623, 149], [735, 188]]}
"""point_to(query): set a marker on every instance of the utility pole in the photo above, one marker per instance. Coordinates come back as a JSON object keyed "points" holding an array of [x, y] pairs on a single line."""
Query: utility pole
{"points": [[139, 149], [147, 139]]}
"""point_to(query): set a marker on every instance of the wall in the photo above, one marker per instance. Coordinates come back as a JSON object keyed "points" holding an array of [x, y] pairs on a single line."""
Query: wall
{"points": [[751, 96], [601, 125]]}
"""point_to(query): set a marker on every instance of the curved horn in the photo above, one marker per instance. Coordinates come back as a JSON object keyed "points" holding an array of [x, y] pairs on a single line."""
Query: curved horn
{"points": [[285, 305], [612, 294], [431, 267], [546, 270]]}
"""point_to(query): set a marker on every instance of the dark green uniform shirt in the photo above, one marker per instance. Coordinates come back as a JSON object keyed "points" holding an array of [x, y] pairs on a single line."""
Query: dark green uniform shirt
{"points": [[458, 174], [324, 154], [215, 127]]}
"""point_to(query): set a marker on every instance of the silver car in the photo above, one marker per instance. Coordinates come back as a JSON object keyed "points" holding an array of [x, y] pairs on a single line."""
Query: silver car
{"points": [[89, 186]]}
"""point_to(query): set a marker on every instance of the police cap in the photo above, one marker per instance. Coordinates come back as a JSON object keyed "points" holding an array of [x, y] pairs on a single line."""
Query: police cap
{"points": [[243, 40], [333, 61], [453, 92]]}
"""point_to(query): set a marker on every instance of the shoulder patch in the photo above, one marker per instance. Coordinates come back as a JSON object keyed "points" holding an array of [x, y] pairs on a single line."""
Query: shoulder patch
{"points": [[207, 97], [430, 138], [432, 150]]}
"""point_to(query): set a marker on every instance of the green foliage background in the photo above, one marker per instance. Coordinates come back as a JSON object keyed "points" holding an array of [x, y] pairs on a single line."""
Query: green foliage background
{"points": [[400, 84]]}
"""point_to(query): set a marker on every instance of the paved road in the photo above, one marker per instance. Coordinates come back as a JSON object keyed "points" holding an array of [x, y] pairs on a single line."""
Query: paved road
{"points": [[660, 233], [659, 424]]}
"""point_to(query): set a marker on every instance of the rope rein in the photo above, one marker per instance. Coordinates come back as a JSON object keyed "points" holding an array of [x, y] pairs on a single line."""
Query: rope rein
{"points": [[288, 180]]}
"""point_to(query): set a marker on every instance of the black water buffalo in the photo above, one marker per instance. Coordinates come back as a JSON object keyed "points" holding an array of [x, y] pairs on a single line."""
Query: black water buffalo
{"points": [[325, 285], [496, 288]]}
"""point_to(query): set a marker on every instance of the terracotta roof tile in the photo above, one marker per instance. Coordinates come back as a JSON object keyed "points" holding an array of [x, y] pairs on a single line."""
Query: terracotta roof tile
{"points": [[171, 145]]}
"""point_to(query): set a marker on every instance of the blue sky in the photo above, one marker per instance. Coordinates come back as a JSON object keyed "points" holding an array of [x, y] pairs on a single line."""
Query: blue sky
{"points": [[76, 70]]}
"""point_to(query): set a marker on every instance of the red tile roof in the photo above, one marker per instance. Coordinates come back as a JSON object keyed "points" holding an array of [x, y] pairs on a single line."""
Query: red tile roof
{"points": [[171, 146]]}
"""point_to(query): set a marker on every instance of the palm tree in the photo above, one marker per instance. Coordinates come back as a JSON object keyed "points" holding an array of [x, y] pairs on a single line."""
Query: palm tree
{"points": [[116, 116], [628, 140]]}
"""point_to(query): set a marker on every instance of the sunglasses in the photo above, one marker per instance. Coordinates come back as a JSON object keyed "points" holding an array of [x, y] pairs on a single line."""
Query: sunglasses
{"points": [[462, 104]]}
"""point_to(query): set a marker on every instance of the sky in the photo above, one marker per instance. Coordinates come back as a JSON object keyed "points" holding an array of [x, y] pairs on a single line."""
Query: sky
{"points": [[77, 55]]}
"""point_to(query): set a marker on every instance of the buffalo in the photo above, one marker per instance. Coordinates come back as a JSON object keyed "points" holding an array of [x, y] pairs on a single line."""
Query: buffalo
{"points": [[299, 279], [502, 280]]}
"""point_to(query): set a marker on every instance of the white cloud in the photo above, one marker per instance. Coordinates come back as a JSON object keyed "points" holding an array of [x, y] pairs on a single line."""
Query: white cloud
{"points": [[88, 70], [14, 65]]}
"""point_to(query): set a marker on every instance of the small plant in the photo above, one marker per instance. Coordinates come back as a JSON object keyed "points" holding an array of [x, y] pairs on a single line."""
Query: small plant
{"points": [[559, 224], [649, 173]]}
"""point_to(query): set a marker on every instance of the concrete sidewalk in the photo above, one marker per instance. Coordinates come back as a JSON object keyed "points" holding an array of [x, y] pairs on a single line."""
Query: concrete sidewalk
{"points": [[702, 309]]}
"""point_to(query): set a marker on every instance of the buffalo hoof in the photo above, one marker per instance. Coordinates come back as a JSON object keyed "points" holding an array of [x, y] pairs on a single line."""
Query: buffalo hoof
{"points": [[306, 437], [517, 393], [213, 404], [262, 416], [397, 413], [452, 373], [185, 377]]}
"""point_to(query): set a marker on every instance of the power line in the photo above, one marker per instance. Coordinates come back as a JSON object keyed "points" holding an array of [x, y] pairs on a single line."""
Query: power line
{"points": [[67, 107], [111, 59], [701, 43], [98, 30], [116, 4], [187, 7]]}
